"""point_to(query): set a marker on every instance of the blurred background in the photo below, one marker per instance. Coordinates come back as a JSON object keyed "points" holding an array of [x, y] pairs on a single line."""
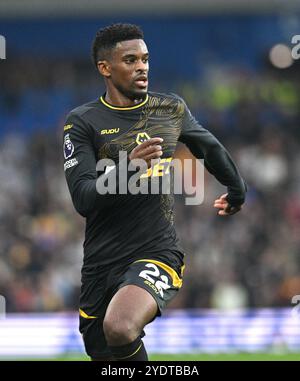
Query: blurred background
{"points": [[232, 63]]}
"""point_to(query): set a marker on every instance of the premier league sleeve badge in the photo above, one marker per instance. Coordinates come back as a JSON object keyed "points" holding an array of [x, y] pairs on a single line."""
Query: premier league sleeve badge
{"points": [[68, 147]]}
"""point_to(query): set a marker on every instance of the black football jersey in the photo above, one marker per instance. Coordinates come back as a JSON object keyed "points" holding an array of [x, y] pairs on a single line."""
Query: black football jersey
{"points": [[127, 227]]}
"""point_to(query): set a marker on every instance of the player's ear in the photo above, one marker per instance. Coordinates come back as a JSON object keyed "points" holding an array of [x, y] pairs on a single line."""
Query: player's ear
{"points": [[104, 68]]}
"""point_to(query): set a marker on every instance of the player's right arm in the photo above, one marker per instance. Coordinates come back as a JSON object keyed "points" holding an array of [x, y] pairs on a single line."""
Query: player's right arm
{"points": [[80, 164], [80, 161]]}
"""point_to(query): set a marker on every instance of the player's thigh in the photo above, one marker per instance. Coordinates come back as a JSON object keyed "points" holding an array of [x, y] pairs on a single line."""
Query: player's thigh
{"points": [[160, 279], [146, 288], [131, 305]]}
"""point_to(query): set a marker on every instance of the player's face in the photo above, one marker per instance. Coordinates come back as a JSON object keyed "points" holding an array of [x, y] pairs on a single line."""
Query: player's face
{"points": [[129, 68]]}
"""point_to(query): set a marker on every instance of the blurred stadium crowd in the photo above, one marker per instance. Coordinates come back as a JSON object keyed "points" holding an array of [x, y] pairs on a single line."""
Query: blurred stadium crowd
{"points": [[249, 260]]}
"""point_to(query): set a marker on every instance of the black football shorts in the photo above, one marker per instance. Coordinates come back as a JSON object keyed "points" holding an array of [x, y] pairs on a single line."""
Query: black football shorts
{"points": [[161, 280]]}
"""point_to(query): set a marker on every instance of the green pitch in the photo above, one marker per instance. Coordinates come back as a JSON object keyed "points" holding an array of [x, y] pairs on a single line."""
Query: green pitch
{"points": [[229, 357], [206, 357]]}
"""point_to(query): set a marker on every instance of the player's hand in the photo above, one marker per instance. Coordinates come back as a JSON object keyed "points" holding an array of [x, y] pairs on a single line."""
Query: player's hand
{"points": [[225, 208], [148, 150]]}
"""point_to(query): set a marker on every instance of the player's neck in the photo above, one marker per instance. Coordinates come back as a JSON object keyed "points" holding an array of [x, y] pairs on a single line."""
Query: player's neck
{"points": [[120, 100]]}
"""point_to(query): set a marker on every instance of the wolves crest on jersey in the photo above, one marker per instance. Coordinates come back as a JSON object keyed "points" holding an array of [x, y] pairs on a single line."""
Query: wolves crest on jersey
{"points": [[142, 137]]}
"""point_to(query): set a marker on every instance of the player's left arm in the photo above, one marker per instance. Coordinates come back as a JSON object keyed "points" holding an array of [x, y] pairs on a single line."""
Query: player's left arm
{"points": [[217, 160]]}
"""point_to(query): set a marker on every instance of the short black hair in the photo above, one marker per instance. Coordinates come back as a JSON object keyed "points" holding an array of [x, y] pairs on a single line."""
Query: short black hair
{"points": [[107, 38]]}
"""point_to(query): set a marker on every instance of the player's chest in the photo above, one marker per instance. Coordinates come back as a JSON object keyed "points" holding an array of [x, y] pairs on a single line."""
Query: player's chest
{"points": [[124, 133]]}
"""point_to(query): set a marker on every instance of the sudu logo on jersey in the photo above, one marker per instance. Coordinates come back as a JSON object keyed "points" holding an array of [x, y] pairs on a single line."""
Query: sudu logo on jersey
{"points": [[110, 131], [68, 147]]}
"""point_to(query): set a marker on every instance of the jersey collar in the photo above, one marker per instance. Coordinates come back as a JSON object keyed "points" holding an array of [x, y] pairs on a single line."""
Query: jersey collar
{"points": [[102, 100]]}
